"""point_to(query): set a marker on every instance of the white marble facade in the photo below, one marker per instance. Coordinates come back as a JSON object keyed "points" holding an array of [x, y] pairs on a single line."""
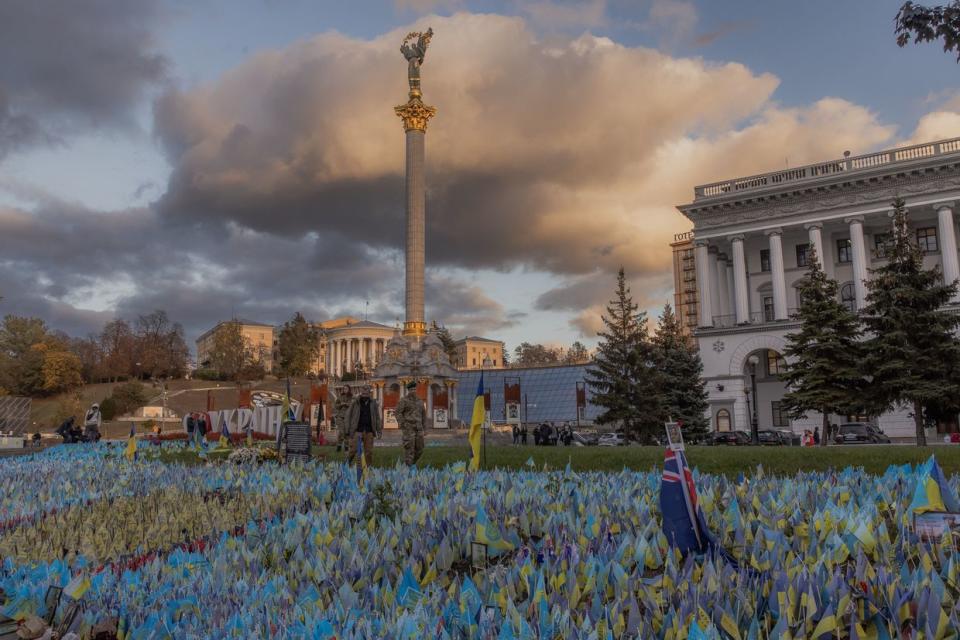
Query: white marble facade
{"points": [[752, 237]]}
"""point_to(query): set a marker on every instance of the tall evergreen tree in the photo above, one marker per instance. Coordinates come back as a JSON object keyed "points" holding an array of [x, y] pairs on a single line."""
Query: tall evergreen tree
{"points": [[449, 346], [912, 353], [624, 376], [824, 358], [683, 388]]}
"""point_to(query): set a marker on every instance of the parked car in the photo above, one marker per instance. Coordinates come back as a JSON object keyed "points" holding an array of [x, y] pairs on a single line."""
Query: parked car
{"points": [[769, 438], [581, 439], [860, 433], [611, 440], [789, 438], [730, 438]]}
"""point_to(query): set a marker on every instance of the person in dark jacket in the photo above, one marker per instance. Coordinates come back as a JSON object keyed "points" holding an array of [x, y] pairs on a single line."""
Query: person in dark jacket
{"points": [[67, 431]]}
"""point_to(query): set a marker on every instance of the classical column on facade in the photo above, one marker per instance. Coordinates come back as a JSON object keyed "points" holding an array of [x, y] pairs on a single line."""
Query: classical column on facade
{"points": [[740, 293], [948, 245], [777, 275], [859, 251], [816, 241], [713, 254], [704, 294], [335, 357], [723, 285]]}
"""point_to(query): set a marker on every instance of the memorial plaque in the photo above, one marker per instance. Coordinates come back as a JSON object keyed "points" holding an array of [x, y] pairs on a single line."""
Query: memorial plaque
{"points": [[674, 436], [296, 437]]}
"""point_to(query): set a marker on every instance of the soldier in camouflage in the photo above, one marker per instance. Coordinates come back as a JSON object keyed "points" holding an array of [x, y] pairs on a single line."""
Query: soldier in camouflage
{"points": [[412, 420], [340, 408]]}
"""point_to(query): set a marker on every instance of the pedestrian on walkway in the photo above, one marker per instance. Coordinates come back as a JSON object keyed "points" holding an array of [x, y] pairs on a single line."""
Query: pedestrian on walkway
{"points": [[364, 422]]}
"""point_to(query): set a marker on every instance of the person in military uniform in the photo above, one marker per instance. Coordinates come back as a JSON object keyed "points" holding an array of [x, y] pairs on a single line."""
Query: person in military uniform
{"points": [[412, 420], [340, 408]]}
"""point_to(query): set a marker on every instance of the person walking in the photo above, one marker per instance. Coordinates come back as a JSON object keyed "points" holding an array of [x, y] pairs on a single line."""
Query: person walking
{"points": [[363, 422], [202, 427], [340, 408], [412, 419], [516, 434], [523, 434], [191, 425]]}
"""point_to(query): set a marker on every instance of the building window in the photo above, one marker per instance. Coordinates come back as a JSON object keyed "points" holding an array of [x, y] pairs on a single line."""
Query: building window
{"points": [[844, 251], [764, 259], [927, 239], [779, 417], [803, 252], [768, 308], [881, 245], [775, 363], [723, 420], [848, 297], [474, 362], [494, 363]]}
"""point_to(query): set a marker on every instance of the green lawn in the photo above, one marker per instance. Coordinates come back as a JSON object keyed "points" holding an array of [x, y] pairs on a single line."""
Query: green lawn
{"points": [[723, 460]]}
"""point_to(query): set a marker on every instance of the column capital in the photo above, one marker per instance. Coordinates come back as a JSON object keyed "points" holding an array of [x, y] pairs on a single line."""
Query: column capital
{"points": [[713, 249], [737, 237], [813, 225], [701, 243], [853, 219], [950, 204], [773, 232]]}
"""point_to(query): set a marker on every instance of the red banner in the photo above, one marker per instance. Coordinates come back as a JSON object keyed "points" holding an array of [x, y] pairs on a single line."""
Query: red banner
{"points": [[511, 392], [422, 389], [243, 401], [441, 400]]}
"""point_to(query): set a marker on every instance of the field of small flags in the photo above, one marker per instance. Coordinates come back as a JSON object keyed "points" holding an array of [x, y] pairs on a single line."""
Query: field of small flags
{"points": [[225, 550]]}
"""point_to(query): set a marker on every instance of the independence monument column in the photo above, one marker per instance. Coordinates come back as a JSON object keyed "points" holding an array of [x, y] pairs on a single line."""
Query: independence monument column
{"points": [[415, 115]]}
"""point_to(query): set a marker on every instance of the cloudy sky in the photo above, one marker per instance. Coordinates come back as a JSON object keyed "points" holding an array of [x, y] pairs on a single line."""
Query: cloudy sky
{"points": [[221, 158]]}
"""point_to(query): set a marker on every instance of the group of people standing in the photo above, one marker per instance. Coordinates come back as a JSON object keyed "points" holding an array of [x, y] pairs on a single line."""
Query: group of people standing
{"points": [[196, 428], [359, 421], [92, 421], [544, 434]]}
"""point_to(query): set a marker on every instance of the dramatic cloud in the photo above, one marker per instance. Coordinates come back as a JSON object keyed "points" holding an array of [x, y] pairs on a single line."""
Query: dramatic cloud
{"points": [[564, 155], [82, 64]]}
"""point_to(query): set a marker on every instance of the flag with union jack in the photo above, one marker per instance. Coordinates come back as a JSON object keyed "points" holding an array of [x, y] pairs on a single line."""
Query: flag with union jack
{"points": [[683, 523]]}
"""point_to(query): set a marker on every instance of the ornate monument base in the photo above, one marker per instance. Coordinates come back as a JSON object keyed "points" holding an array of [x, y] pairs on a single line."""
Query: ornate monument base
{"points": [[421, 359]]}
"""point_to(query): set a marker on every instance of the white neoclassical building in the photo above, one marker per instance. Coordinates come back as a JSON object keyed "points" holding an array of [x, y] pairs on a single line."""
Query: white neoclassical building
{"points": [[752, 239], [348, 345]]}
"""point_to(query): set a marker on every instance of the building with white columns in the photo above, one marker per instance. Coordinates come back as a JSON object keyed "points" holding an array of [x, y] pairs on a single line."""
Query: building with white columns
{"points": [[349, 345], [752, 239]]}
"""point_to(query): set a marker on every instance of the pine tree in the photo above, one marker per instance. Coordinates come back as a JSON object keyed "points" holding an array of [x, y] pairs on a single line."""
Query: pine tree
{"points": [[449, 346], [824, 367], [624, 376], [683, 389], [912, 354]]}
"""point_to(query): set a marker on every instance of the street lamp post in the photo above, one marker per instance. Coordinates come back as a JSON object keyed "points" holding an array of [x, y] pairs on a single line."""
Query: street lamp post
{"points": [[754, 435]]}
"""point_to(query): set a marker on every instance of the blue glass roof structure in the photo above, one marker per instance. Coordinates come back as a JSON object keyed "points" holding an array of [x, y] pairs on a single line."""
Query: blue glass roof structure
{"points": [[547, 393]]}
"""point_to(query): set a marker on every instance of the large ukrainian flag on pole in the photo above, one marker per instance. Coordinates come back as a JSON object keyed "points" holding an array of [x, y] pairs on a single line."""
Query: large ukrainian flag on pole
{"points": [[476, 424]]}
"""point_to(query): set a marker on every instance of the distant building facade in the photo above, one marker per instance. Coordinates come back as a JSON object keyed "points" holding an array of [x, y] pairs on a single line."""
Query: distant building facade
{"points": [[348, 345], [478, 353], [257, 336], [753, 241], [685, 282]]}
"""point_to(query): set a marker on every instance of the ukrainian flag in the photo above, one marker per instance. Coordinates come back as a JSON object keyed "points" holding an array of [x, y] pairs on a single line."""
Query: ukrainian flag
{"points": [[224, 436], [131, 452], [476, 425]]}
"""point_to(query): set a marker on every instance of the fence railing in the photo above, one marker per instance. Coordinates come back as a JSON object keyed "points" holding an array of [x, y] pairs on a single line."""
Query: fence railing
{"points": [[14, 414], [847, 164]]}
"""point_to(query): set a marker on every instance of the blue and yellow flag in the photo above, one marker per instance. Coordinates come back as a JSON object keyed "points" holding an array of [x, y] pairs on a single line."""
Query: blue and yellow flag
{"points": [[224, 435], [476, 426], [361, 461], [131, 452]]}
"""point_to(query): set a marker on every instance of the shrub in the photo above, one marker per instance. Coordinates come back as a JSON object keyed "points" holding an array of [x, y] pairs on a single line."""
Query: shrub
{"points": [[128, 396], [208, 374], [108, 408]]}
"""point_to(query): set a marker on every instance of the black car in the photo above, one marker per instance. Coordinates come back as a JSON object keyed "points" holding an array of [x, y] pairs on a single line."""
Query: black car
{"points": [[729, 438], [860, 433], [769, 438]]}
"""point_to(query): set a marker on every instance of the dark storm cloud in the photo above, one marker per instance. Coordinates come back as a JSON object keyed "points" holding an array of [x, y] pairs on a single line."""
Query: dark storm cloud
{"points": [[72, 64]]}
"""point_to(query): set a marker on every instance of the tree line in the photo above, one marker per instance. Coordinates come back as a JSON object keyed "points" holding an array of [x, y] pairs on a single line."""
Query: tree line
{"points": [[37, 361], [642, 381]]}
